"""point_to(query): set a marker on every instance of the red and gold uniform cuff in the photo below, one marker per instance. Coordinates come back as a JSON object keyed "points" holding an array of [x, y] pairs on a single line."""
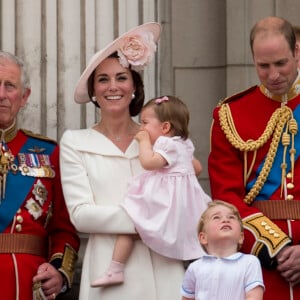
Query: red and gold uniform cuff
{"points": [[266, 233]]}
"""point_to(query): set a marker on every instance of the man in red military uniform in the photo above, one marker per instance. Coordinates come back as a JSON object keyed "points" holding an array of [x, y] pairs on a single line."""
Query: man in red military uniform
{"points": [[254, 161], [38, 243]]}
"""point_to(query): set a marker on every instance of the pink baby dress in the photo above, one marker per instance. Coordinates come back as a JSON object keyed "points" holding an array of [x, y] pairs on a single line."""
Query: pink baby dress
{"points": [[166, 204]]}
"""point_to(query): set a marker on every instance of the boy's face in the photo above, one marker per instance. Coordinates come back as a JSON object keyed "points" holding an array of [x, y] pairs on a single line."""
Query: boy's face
{"points": [[221, 227]]}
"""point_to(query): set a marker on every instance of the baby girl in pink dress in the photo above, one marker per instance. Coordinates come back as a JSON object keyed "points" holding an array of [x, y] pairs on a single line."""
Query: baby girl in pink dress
{"points": [[166, 201]]}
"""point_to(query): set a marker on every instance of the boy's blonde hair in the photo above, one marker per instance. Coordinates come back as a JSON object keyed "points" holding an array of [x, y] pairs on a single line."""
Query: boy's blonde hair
{"points": [[213, 204]]}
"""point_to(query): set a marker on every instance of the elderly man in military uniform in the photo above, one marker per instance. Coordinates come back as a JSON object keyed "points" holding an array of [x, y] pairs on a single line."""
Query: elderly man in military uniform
{"points": [[38, 243]]}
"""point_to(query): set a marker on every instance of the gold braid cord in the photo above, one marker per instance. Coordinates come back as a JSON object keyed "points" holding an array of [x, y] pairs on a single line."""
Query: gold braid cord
{"points": [[281, 118]]}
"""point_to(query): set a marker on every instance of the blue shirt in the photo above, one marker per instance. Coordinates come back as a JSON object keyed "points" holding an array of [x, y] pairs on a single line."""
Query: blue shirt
{"points": [[213, 278]]}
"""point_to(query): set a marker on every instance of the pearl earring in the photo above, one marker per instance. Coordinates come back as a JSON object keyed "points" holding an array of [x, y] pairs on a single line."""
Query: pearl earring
{"points": [[94, 99], [132, 96]]}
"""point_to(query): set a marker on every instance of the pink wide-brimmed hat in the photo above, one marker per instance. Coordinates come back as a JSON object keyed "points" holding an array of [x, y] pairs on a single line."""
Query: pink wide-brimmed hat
{"points": [[136, 48]]}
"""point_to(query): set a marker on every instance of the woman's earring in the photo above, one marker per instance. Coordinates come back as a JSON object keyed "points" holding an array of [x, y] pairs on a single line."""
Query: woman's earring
{"points": [[94, 99], [132, 96]]}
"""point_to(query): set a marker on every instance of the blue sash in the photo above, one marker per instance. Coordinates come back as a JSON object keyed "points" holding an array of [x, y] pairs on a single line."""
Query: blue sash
{"points": [[18, 186], [274, 179]]}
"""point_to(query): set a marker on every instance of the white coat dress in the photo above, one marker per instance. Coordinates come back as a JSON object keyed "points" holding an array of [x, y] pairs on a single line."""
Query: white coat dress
{"points": [[95, 175]]}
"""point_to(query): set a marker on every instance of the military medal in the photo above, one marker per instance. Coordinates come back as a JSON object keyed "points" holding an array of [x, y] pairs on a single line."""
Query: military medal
{"points": [[34, 204], [35, 165], [40, 192], [33, 208]]}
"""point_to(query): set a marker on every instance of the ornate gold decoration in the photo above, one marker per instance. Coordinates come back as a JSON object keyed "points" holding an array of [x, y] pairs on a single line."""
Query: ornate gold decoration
{"points": [[68, 263], [267, 233], [9, 133], [33, 208], [6, 164], [40, 192], [281, 119], [37, 291]]}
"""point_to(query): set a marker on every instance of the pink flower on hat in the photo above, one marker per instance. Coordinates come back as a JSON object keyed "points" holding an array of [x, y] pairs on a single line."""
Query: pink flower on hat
{"points": [[137, 51]]}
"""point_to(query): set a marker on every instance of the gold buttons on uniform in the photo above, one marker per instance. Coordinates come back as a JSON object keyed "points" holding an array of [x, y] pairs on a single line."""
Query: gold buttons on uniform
{"points": [[19, 219], [18, 227], [269, 229], [289, 186]]}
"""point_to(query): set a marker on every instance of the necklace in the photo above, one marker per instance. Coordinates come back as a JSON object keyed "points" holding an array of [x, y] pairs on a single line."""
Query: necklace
{"points": [[116, 138]]}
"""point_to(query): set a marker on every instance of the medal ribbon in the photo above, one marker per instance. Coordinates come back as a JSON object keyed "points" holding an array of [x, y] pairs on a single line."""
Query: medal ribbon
{"points": [[18, 186]]}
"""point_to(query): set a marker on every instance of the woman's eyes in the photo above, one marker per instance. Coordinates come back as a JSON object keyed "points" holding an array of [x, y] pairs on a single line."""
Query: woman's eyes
{"points": [[122, 78], [105, 79]]}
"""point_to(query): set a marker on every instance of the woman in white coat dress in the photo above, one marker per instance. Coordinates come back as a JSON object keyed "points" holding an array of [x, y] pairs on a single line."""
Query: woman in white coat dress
{"points": [[98, 162]]}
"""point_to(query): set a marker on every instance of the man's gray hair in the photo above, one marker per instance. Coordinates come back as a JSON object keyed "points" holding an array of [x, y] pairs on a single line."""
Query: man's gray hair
{"points": [[24, 73]]}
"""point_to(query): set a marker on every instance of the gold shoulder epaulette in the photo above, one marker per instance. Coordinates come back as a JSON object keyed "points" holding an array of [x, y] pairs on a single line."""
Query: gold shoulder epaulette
{"points": [[38, 136], [237, 96]]}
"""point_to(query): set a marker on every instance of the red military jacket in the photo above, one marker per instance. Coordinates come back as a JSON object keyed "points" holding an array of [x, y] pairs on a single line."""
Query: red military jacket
{"points": [[38, 228], [235, 167]]}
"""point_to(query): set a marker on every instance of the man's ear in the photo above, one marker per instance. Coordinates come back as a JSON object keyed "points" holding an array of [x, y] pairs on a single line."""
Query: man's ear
{"points": [[297, 51], [25, 96]]}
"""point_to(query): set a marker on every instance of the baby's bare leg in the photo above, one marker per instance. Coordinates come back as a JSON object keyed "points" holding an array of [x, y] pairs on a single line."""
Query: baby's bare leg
{"points": [[123, 248], [115, 272]]}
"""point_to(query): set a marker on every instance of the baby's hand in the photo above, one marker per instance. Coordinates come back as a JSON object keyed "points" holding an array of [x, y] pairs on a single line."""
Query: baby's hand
{"points": [[142, 135]]}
